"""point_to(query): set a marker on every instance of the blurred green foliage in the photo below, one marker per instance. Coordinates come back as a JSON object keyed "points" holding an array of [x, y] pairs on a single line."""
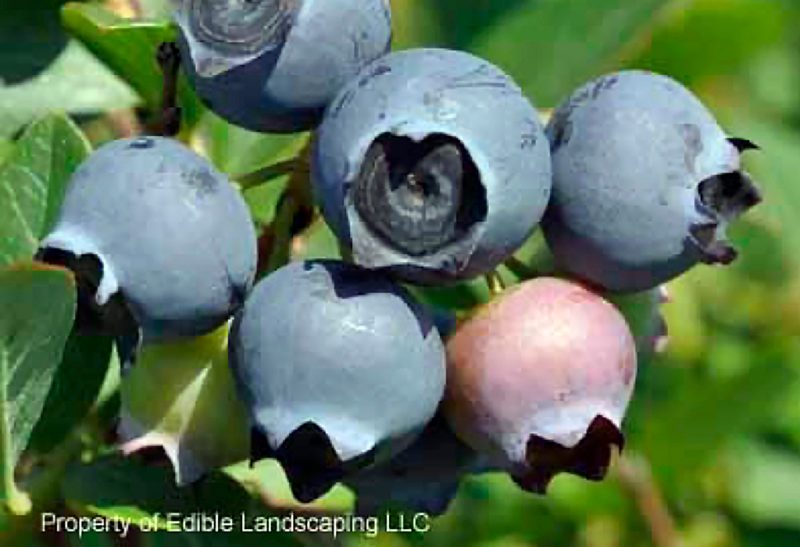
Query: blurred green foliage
{"points": [[713, 454]]}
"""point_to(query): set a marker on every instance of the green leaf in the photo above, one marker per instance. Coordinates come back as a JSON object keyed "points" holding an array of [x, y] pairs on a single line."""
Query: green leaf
{"points": [[772, 79], [75, 82], [236, 151], [317, 241], [685, 430], [680, 46], [787, 414], [584, 499], [30, 38], [32, 183], [418, 23], [775, 169], [643, 314], [688, 332], [118, 487], [471, 22], [128, 47], [758, 536], [75, 389], [267, 479], [503, 508], [113, 487], [6, 147], [460, 297], [568, 42], [38, 308], [263, 199], [764, 482], [763, 257]]}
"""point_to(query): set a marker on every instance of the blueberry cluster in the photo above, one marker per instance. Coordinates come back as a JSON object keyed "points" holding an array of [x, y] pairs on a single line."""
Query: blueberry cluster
{"points": [[431, 167]]}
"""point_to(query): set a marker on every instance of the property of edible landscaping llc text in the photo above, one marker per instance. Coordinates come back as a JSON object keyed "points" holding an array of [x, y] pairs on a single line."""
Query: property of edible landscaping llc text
{"points": [[215, 523]]}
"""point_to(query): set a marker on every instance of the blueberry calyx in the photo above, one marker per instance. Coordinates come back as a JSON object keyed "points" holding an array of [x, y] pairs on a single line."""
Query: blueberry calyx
{"points": [[721, 199], [308, 458], [419, 196], [241, 27], [112, 317], [590, 458], [743, 145]]}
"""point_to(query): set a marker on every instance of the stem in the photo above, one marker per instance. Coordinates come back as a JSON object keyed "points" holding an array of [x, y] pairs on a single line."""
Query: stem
{"points": [[280, 253], [520, 269], [300, 180], [17, 502], [44, 487], [168, 122], [635, 475], [296, 204], [110, 386], [344, 252], [495, 283], [266, 174]]}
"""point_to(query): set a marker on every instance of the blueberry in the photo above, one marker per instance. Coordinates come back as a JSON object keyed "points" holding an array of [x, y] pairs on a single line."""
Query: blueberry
{"points": [[431, 164], [338, 367], [539, 381], [161, 243], [180, 398], [644, 183], [424, 477], [274, 65]]}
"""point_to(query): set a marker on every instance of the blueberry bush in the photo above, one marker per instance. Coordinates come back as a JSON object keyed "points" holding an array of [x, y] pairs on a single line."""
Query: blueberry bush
{"points": [[519, 272]]}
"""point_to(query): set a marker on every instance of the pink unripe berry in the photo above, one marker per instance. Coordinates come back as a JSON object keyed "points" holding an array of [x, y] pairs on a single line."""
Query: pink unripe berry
{"points": [[539, 380]]}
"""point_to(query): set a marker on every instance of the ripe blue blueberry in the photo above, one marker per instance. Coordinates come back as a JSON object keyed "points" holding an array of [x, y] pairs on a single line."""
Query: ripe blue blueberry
{"points": [[644, 183], [433, 165], [161, 243], [274, 65], [338, 368]]}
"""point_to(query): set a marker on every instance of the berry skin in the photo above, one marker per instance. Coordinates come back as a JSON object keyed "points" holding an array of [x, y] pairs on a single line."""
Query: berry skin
{"points": [[644, 183], [539, 381], [424, 477], [338, 368], [161, 243], [274, 65], [431, 164]]}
